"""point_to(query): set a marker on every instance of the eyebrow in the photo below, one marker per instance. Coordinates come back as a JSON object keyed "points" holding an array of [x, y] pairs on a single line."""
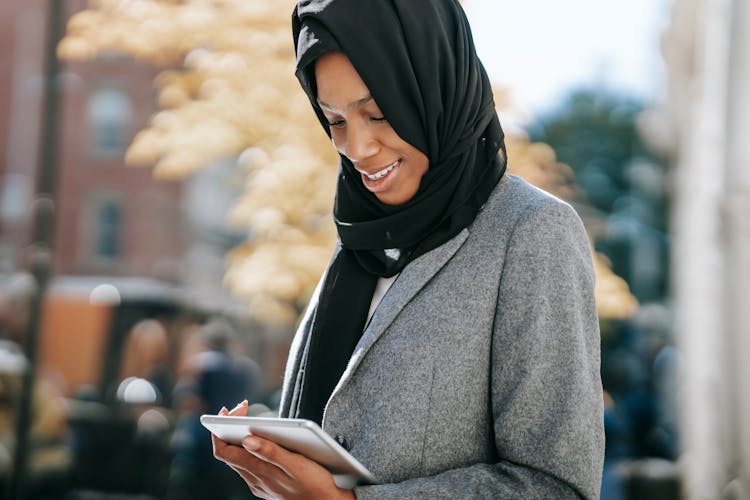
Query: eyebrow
{"points": [[350, 106]]}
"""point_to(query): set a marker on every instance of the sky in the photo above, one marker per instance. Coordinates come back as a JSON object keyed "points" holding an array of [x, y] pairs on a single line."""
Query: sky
{"points": [[541, 49]]}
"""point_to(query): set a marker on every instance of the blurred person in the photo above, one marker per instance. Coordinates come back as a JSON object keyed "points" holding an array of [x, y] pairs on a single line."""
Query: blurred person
{"points": [[225, 374], [638, 377], [452, 345], [147, 356], [638, 373], [50, 458], [12, 365], [213, 375], [15, 306], [6, 314]]}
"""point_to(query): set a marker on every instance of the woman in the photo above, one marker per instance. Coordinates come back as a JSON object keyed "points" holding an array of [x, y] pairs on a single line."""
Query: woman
{"points": [[452, 345]]}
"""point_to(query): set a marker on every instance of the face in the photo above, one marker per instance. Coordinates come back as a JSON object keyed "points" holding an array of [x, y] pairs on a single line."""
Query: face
{"points": [[389, 167]]}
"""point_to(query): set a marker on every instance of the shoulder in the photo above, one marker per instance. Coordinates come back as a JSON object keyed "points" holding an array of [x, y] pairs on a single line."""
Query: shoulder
{"points": [[516, 207], [515, 199]]}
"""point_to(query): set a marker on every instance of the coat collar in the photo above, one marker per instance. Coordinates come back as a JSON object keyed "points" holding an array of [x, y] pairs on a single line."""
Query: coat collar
{"points": [[411, 280]]}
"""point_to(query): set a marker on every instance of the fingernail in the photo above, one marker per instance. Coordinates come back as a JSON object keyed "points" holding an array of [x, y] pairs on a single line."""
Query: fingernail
{"points": [[223, 410], [239, 405], [250, 443]]}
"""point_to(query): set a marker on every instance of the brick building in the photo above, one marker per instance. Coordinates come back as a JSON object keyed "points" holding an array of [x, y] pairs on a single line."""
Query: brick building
{"points": [[110, 219], [113, 224]]}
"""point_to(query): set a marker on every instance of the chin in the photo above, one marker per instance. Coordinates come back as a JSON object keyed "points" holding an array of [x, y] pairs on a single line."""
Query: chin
{"points": [[394, 199]]}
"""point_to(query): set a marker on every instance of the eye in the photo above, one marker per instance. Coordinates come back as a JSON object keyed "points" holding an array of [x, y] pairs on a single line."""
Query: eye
{"points": [[337, 124], [378, 119]]}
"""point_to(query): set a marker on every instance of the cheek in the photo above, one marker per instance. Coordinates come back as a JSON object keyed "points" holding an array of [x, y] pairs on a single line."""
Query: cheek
{"points": [[422, 164], [338, 139]]}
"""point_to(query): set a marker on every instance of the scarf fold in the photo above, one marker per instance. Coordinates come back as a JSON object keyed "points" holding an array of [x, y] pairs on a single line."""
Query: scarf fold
{"points": [[418, 60]]}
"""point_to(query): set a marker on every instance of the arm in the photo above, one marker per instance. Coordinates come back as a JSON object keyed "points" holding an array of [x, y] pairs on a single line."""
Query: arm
{"points": [[546, 393]]}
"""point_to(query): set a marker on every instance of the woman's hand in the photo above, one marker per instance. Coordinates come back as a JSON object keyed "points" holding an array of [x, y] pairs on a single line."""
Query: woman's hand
{"points": [[272, 472]]}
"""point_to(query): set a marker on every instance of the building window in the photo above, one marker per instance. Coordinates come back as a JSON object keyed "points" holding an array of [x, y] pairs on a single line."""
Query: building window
{"points": [[107, 227], [105, 230], [109, 114]]}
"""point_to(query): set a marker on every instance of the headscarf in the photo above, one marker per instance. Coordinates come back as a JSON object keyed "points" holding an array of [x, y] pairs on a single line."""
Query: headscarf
{"points": [[417, 59]]}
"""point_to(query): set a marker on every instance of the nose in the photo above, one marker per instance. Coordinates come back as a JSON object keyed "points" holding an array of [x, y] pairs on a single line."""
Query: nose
{"points": [[360, 142]]}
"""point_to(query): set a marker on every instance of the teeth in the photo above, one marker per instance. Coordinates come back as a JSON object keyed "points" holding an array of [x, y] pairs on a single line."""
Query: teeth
{"points": [[382, 173]]}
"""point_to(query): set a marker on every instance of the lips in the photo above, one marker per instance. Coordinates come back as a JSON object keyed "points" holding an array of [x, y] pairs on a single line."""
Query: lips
{"points": [[381, 180], [380, 173]]}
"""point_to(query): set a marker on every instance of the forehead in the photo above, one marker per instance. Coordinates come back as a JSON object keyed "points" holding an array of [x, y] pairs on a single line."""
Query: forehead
{"points": [[338, 84]]}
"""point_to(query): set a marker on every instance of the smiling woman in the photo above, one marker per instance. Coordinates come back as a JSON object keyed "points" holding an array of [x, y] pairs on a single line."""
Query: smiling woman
{"points": [[452, 345], [390, 167]]}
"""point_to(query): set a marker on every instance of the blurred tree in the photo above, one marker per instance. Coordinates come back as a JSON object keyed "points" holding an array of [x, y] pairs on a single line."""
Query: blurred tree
{"points": [[537, 163], [597, 133], [228, 90]]}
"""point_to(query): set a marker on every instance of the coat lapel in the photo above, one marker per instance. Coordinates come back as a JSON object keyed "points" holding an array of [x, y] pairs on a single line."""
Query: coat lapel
{"points": [[412, 279]]}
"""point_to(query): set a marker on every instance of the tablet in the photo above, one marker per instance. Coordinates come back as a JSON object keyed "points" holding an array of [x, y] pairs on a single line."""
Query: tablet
{"points": [[298, 435]]}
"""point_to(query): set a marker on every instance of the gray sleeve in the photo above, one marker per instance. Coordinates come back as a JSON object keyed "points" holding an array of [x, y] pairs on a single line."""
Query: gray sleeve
{"points": [[546, 388]]}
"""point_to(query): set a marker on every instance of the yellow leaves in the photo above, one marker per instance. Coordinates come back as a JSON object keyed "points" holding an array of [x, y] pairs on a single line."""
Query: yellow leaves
{"points": [[183, 140], [84, 20], [163, 32], [273, 274], [111, 28], [288, 212], [75, 49], [172, 96], [229, 66], [613, 297], [502, 96], [536, 162], [147, 147], [218, 106], [300, 190]]}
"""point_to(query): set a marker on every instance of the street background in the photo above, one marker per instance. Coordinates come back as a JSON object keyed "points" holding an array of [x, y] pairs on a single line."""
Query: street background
{"points": [[165, 213]]}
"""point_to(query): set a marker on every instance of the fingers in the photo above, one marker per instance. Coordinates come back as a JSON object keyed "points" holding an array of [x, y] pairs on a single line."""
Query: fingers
{"points": [[264, 465], [260, 458], [253, 482], [253, 469], [270, 452], [238, 411], [217, 443]]}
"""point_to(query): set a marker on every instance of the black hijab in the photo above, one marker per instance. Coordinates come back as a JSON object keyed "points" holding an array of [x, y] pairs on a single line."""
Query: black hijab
{"points": [[418, 61]]}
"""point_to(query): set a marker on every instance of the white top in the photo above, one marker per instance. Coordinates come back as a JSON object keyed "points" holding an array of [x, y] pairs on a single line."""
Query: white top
{"points": [[383, 285]]}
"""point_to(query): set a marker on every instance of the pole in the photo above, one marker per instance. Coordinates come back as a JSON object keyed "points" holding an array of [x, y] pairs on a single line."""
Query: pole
{"points": [[699, 249], [737, 233], [40, 251]]}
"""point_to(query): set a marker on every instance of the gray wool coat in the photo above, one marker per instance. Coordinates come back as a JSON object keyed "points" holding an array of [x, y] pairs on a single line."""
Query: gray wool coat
{"points": [[478, 374]]}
